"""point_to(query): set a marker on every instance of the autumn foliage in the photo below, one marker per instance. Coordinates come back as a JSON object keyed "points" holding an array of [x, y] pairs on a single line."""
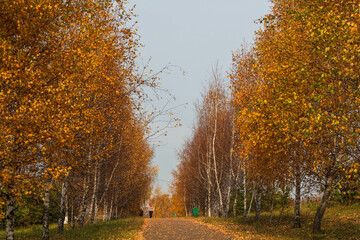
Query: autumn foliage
{"points": [[69, 103], [295, 98], [203, 177]]}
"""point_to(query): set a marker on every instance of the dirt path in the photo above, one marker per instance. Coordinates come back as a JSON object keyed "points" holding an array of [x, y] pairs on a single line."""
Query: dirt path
{"points": [[174, 228]]}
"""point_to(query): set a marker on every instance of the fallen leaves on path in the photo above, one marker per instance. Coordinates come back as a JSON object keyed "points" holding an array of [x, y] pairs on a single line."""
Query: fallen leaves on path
{"points": [[176, 228]]}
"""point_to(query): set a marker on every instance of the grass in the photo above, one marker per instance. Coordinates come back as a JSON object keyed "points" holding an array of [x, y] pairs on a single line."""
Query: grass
{"points": [[339, 222], [127, 228]]}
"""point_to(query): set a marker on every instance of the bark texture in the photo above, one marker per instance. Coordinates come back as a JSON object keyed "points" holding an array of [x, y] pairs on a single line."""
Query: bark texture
{"points": [[235, 201], [83, 204], [321, 209], [93, 204], [45, 233], [10, 216], [253, 195], [105, 211], [245, 193], [258, 205], [62, 207], [297, 222]]}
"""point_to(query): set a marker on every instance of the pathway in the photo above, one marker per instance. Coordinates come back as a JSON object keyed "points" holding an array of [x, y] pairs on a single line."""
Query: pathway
{"points": [[175, 228]]}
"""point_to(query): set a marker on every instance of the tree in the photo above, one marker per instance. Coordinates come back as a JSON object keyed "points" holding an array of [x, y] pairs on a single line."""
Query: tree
{"points": [[203, 178], [67, 102], [304, 95]]}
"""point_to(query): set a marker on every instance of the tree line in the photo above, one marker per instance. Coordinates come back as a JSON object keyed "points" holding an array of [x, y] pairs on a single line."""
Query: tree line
{"points": [[289, 127], [72, 130]]}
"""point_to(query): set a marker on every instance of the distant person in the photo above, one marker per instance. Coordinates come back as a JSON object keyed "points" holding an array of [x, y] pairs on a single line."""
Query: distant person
{"points": [[151, 210]]}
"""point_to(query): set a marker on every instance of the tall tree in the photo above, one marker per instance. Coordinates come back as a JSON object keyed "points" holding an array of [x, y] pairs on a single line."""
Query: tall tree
{"points": [[302, 111]]}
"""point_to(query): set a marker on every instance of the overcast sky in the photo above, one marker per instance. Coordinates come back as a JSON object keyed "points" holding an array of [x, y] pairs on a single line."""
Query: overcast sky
{"points": [[194, 35]]}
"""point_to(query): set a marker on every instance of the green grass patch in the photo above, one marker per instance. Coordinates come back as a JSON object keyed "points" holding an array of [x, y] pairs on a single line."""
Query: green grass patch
{"points": [[127, 228], [339, 222]]}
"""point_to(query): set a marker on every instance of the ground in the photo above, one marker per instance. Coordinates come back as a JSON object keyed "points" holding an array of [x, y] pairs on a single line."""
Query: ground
{"points": [[340, 222], [177, 228]]}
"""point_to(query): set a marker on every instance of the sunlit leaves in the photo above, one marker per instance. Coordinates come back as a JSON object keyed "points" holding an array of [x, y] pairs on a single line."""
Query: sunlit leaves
{"points": [[68, 80], [301, 111]]}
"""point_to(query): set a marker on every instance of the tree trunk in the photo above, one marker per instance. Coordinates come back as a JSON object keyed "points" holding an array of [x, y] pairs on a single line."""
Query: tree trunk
{"points": [[228, 197], [111, 175], [10, 215], [258, 204], [96, 210], [186, 211], [105, 210], [221, 202], [209, 200], [62, 207], [321, 209], [246, 214], [45, 234], [297, 220], [272, 204], [121, 212], [209, 184], [66, 220], [83, 206], [282, 205], [93, 195], [235, 201], [111, 209], [231, 175], [251, 201], [72, 214]]}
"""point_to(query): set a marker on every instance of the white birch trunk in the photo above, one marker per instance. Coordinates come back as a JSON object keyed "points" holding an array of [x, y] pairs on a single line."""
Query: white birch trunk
{"points": [[63, 209], [323, 204], [271, 206], [45, 233], [258, 204], [83, 207], [105, 211], [297, 220], [245, 193], [93, 195], [228, 198], [221, 203], [111, 209], [209, 200], [111, 176], [96, 211], [10, 215], [231, 175], [209, 184], [235, 201], [251, 201], [66, 220], [72, 214]]}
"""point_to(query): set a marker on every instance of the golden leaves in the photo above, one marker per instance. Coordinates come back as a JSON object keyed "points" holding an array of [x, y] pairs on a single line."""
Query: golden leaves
{"points": [[64, 82], [274, 111]]}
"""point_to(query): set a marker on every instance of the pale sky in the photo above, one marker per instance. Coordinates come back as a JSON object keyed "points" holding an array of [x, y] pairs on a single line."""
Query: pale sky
{"points": [[194, 35]]}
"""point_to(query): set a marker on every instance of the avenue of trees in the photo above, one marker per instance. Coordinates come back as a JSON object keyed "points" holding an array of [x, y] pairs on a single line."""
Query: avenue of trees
{"points": [[290, 127], [74, 141]]}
